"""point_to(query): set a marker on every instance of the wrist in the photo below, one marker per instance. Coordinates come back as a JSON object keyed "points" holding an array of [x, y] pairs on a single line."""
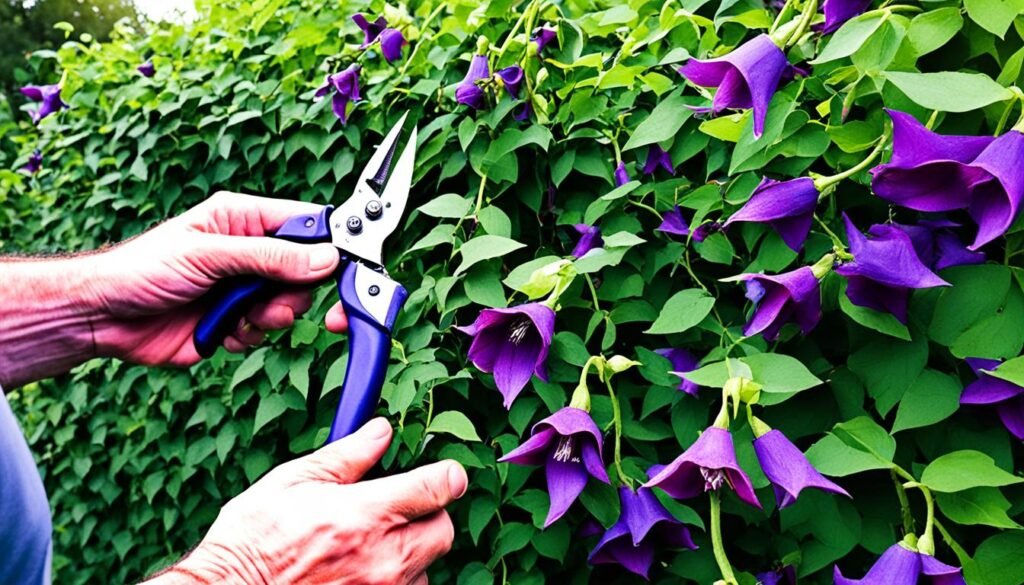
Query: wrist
{"points": [[208, 564], [46, 317]]}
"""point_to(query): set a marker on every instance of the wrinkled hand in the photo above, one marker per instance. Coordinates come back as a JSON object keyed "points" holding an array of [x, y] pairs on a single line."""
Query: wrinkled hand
{"points": [[146, 290], [309, 522]]}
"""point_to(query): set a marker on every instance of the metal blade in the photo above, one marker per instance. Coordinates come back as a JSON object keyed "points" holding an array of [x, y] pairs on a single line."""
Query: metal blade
{"points": [[360, 225]]}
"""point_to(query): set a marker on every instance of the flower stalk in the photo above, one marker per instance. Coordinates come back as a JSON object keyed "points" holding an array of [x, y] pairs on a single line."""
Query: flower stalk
{"points": [[717, 544], [823, 183]]}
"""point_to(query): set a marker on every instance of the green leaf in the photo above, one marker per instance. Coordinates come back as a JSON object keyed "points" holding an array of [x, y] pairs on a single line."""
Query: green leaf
{"points": [[933, 397], [885, 323], [997, 561], [513, 536], [850, 37], [483, 248], [995, 16], [780, 376], [664, 122], [962, 470], [449, 205], [933, 29], [888, 367], [454, 423], [853, 446], [983, 505], [249, 367], [977, 292], [271, 407], [683, 310], [949, 91]]}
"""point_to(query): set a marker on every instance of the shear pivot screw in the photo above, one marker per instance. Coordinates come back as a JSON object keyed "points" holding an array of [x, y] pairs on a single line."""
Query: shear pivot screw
{"points": [[374, 290], [354, 225], [374, 209]]}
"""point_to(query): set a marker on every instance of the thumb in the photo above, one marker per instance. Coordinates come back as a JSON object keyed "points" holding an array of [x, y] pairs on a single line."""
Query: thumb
{"points": [[346, 460], [219, 256]]}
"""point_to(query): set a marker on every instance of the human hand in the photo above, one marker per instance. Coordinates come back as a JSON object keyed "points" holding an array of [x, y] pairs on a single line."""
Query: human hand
{"points": [[310, 522], [144, 292]]}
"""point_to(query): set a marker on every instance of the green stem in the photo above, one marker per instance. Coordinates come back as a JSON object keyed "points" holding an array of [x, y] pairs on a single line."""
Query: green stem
{"points": [[593, 293], [617, 419], [926, 542], [430, 18], [717, 545], [783, 16], [823, 183], [836, 241], [901, 494], [806, 15]]}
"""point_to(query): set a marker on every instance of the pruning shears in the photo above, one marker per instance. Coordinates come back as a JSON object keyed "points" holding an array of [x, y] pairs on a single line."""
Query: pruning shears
{"points": [[371, 299]]}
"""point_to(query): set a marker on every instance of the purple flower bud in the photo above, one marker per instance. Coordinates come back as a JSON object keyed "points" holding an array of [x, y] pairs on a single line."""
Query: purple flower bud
{"points": [[787, 206], [788, 469], [657, 157], [35, 162], [621, 175], [839, 11], [746, 78], [467, 92], [49, 95], [783, 298], [544, 35], [512, 79], [782, 576], [371, 30], [568, 444], [682, 361], [147, 69], [709, 464], [590, 238], [902, 566], [1005, 395], [391, 43], [674, 223], [523, 111], [345, 88], [512, 343], [884, 270]]}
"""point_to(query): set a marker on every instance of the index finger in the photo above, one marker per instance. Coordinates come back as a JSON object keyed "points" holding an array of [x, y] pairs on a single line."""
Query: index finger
{"points": [[237, 214], [422, 491]]}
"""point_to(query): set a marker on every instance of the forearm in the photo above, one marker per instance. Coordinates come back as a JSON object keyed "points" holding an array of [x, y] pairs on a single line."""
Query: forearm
{"points": [[45, 318]]}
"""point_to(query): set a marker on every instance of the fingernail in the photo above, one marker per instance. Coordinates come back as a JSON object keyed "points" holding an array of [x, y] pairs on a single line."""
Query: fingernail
{"points": [[457, 480], [378, 428], [323, 257]]}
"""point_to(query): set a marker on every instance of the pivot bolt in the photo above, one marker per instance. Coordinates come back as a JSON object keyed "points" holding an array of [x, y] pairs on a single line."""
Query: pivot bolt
{"points": [[374, 209], [354, 225], [374, 290]]}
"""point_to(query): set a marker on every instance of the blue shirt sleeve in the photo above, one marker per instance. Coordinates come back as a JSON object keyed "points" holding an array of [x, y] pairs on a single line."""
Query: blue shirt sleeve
{"points": [[25, 525]]}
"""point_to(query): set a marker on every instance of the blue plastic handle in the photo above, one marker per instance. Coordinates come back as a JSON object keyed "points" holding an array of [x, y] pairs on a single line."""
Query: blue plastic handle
{"points": [[234, 297], [369, 343]]}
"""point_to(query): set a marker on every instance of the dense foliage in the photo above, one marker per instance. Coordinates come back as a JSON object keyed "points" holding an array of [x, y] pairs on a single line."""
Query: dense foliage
{"points": [[137, 461]]}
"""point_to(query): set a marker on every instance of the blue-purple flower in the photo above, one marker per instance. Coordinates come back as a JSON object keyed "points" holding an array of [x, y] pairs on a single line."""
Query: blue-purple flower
{"points": [[512, 344], [901, 566], [344, 87], [682, 361], [746, 78], [621, 174], [781, 576], [49, 98], [543, 36], [512, 79], [35, 162], [391, 42], [839, 11], [708, 465], [787, 206], [371, 30], [568, 444], [884, 269], [780, 299], [938, 246], [1005, 395], [147, 69], [788, 469], [674, 223], [644, 526], [468, 92], [657, 157], [590, 238]]}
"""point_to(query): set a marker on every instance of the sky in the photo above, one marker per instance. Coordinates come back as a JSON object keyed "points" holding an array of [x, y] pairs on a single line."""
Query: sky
{"points": [[166, 9]]}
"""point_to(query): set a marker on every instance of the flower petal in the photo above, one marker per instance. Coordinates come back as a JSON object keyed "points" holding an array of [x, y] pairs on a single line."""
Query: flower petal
{"points": [[788, 469], [897, 566], [566, 481], [533, 451]]}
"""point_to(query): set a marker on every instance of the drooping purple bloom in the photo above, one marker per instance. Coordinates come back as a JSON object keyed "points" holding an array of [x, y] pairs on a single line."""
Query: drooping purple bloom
{"points": [[674, 223], [643, 527], [839, 11], [657, 157], [682, 361], [884, 269], [35, 162], [746, 78], [568, 444], [701, 232], [782, 576], [147, 69], [787, 206], [788, 469], [512, 344], [590, 238], [901, 566], [512, 79], [938, 246], [467, 92], [706, 466], [48, 95], [523, 111], [782, 298], [996, 201], [544, 35], [371, 30], [987, 389], [391, 42], [621, 175], [344, 87]]}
